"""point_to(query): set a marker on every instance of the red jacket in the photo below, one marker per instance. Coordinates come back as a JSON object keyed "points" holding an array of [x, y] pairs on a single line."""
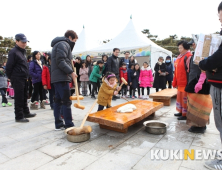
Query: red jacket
{"points": [[123, 73], [180, 75], [46, 81]]}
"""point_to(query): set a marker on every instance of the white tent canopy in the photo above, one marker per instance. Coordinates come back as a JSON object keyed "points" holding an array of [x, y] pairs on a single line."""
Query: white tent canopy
{"points": [[84, 43], [130, 39]]}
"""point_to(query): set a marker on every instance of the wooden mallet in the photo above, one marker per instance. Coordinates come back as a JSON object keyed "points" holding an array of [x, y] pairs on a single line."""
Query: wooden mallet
{"points": [[82, 129], [123, 82], [77, 105]]}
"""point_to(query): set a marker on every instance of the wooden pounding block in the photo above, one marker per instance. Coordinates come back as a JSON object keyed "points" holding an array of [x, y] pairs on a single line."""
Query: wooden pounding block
{"points": [[112, 120], [164, 96]]}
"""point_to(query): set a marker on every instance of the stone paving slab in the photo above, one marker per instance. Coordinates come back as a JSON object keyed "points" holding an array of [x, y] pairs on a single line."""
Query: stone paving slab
{"points": [[35, 145]]}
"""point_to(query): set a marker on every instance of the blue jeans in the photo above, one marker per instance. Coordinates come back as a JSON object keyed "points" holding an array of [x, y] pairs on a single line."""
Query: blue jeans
{"points": [[51, 96], [62, 94]]}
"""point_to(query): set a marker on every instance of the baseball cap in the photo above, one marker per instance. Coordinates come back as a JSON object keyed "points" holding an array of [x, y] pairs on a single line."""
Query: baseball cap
{"points": [[190, 42], [21, 37]]}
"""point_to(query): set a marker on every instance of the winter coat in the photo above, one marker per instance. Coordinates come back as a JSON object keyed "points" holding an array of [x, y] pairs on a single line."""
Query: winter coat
{"points": [[105, 69], [169, 69], [194, 70], [17, 65], [159, 81], [35, 72], [96, 74], [90, 68], [181, 73], [46, 79], [211, 63], [105, 94], [146, 77], [123, 73], [61, 66], [131, 78], [3, 80], [83, 72], [113, 65]]}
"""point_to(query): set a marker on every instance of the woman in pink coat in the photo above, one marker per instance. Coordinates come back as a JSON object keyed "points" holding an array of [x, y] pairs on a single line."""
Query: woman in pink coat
{"points": [[146, 79]]}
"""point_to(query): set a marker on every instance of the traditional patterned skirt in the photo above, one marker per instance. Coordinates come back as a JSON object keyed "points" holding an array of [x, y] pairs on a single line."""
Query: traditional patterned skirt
{"points": [[199, 109], [181, 104]]}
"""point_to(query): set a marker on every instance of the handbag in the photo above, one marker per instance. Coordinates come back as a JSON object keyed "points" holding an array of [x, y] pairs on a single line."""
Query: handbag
{"points": [[162, 74]]}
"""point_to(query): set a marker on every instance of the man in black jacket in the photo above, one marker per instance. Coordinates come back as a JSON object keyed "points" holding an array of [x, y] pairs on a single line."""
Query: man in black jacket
{"points": [[213, 67], [61, 75], [113, 65], [17, 71]]}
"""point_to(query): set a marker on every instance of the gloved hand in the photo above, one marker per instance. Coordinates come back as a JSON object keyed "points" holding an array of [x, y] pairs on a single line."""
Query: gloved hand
{"points": [[139, 82], [200, 83]]}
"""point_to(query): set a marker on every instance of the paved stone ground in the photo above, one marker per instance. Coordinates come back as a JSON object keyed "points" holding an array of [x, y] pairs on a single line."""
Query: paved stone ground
{"points": [[35, 145]]}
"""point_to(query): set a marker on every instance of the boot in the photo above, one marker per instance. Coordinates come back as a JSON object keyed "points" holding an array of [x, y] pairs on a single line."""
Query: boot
{"points": [[182, 118], [42, 105], [33, 106], [178, 114]]}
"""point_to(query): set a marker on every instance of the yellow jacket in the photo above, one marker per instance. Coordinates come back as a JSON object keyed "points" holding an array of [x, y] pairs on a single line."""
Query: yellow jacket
{"points": [[105, 94]]}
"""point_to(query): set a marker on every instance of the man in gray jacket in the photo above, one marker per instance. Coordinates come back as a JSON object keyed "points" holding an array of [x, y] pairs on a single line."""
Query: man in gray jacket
{"points": [[61, 75]]}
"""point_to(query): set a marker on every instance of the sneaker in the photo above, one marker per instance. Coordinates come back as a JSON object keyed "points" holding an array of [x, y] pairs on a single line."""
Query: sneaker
{"points": [[93, 97], [36, 103], [3, 105], [144, 97], [42, 105], [60, 128], [122, 96], [33, 106], [147, 96], [46, 102], [9, 104], [214, 164], [140, 97], [133, 97], [130, 96]]}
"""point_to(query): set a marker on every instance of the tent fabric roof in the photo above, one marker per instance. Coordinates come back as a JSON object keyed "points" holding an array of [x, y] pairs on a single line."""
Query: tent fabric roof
{"points": [[84, 43], [129, 39]]}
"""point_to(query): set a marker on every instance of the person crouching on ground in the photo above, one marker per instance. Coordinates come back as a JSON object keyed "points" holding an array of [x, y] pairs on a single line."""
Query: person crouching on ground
{"points": [[107, 90], [35, 70], [3, 87], [95, 76], [123, 74], [46, 81]]}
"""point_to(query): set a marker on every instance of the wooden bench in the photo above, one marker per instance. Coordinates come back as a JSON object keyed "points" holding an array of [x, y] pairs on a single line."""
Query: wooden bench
{"points": [[112, 120], [164, 96]]}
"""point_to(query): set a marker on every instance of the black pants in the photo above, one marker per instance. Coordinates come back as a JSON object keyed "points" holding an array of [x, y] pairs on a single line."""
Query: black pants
{"points": [[100, 107], [51, 96], [44, 92], [148, 90], [138, 88], [132, 91], [90, 88], [20, 86], [37, 91], [3, 93], [30, 87], [95, 86], [169, 84], [124, 90]]}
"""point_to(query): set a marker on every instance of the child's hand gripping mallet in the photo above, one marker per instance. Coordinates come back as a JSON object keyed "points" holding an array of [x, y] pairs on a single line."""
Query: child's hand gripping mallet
{"points": [[82, 129], [77, 105], [123, 82]]}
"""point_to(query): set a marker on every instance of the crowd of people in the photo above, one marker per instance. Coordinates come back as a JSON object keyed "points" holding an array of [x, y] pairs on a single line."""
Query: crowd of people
{"points": [[199, 85]]}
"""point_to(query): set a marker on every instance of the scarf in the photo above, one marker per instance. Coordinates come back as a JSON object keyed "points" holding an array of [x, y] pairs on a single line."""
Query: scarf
{"points": [[39, 63], [181, 55], [110, 85]]}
